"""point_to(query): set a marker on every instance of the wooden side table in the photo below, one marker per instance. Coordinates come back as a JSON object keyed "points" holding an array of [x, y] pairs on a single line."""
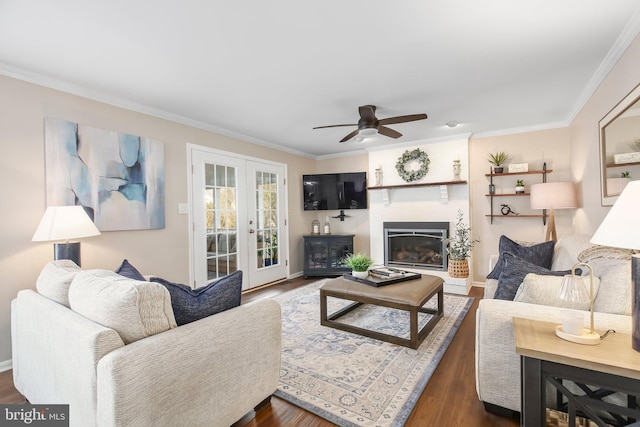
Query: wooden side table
{"points": [[611, 366]]}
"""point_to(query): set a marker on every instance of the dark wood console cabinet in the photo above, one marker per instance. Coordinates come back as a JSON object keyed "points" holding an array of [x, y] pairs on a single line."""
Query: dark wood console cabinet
{"points": [[323, 254]]}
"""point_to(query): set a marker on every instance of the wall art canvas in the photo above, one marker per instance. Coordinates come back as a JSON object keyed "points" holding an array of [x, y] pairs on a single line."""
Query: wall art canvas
{"points": [[118, 178]]}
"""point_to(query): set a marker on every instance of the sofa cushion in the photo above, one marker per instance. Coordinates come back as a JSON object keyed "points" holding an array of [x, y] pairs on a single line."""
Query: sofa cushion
{"points": [[540, 254], [190, 305], [55, 278], [129, 271], [615, 293], [544, 290], [132, 308], [513, 273]]}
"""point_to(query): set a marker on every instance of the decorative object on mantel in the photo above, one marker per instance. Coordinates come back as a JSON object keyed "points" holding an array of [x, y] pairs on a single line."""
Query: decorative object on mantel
{"points": [[498, 160], [359, 263], [118, 178], [574, 292], [620, 230], [407, 160], [456, 170], [519, 186], [63, 223], [459, 247], [553, 195], [315, 227], [378, 175]]}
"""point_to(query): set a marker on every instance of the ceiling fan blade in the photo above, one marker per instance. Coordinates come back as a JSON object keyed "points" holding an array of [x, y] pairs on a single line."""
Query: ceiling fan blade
{"points": [[368, 113], [402, 119], [348, 137], [389, 132], [334, 126]]}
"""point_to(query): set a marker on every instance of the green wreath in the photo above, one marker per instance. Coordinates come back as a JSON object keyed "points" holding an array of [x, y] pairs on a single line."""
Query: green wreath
{"points": [[409, 156]]}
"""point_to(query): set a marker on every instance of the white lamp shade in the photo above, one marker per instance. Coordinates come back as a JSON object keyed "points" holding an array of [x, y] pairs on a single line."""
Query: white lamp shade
{"points": [[554, 195], [620, 227], [64, 223]]}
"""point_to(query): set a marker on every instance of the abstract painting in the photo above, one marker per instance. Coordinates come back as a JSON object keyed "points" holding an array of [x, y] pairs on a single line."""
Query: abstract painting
{"points": [[118, 178]]}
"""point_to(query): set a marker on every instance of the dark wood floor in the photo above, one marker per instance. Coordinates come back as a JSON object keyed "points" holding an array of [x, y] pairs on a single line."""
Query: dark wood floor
{"points": [[449, 398]]}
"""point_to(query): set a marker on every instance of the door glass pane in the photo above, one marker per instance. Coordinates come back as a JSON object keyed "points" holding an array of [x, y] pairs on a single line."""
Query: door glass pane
{"points": [[267, 218], [221, 220]]}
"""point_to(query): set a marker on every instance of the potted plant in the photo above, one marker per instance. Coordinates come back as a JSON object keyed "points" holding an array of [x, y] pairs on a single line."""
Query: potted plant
{"points": [[459, 247], [359, 264], [519, 186], [498, 160]]}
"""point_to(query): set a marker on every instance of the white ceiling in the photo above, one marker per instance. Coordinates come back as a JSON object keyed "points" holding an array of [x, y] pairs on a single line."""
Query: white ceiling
{"points": [[269, 71]]}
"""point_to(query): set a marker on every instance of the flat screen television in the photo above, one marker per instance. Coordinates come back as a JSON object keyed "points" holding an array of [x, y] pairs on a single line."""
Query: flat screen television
{"points": [[332, 191]]}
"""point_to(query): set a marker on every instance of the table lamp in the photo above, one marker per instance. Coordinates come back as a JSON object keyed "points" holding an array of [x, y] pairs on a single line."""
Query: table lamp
{"points": [[573, 290], [65, 223], [553, 195], [620, 229]]}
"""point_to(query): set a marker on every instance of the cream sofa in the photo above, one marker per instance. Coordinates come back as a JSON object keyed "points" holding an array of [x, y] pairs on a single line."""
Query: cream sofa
{"points": [[498, 365], [207, 373]]}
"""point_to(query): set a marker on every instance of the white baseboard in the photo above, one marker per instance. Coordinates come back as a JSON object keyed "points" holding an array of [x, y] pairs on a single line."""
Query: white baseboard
{"points": [[294, 275], [6, 365]]}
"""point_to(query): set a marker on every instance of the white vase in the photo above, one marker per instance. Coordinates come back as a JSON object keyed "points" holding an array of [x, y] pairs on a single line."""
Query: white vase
{"points": [[360, 274]]}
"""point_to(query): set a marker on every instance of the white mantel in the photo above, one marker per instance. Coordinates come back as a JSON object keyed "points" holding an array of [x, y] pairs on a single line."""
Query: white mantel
{"points": [[419, 203]]}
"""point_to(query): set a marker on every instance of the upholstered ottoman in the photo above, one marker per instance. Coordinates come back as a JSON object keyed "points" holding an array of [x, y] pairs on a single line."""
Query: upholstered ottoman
{"points": [[410, 295]]}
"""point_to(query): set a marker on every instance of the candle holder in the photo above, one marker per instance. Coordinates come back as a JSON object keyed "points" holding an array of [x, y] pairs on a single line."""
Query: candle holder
{"points": [[456, 170], [379, 176]]}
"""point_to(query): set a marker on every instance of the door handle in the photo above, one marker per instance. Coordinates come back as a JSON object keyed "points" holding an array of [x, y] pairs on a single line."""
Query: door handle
{"points": [[251, 231]]}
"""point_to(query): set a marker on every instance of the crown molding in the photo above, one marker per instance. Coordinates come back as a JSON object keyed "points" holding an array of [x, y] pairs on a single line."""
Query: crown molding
{"points": [[626, 37], [52, 83]]}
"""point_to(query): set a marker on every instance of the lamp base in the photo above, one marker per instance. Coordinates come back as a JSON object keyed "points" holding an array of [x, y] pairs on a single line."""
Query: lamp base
{"points": [[69, 250], [586, 338]]}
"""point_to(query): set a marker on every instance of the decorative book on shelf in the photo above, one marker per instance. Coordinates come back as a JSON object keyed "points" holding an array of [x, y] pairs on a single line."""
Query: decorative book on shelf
{"points": [[382, 276]]}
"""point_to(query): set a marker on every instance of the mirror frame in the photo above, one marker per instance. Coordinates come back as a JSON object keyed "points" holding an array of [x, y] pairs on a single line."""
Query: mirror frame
{"points": [[616, 112]]}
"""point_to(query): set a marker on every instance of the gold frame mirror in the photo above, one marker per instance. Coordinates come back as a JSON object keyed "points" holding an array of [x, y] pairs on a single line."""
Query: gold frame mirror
{"points": [[620, 147]]}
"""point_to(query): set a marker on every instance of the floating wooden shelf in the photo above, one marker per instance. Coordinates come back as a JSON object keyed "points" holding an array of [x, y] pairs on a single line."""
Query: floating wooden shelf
{"points": [[544, 171], [515, 216], [519, 173], [615, 165], [420, 184]]}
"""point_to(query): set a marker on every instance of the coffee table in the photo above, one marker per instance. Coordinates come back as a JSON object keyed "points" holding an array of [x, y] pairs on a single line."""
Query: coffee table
{"points": [[410, 296]]}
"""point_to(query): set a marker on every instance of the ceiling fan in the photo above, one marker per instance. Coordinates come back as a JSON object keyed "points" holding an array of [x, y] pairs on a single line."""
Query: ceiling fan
{"points": [[370, 125]]}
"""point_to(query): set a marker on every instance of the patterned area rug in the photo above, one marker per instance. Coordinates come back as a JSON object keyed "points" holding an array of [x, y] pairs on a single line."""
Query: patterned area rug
{"points": [[352, 380]]}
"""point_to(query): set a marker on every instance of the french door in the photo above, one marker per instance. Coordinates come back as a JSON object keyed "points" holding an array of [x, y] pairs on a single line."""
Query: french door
{"points": [[238, 207]]}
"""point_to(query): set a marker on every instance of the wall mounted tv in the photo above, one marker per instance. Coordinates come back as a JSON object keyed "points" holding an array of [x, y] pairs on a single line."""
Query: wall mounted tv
{"points": [[333, 191]]}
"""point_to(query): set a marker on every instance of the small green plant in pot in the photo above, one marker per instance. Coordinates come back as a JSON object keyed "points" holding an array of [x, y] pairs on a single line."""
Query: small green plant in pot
{"points": [[359, 263], [498, 160], [519, 186]]}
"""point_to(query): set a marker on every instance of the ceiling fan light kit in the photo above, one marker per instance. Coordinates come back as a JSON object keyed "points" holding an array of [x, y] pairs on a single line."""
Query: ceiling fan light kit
{"points": [[369, 125]]}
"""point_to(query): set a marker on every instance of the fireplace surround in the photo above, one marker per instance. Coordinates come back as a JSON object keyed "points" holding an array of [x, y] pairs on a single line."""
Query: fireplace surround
{"points": [[416, 245]]}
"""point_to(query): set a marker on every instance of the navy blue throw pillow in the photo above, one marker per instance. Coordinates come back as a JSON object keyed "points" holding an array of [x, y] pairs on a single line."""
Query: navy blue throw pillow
{"points": [[513, 273], [540, 254], [190, 305], [129, 271]]}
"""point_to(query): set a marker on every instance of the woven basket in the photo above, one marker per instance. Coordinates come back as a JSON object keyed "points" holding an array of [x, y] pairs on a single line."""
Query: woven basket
{"points": [[458, 268]]}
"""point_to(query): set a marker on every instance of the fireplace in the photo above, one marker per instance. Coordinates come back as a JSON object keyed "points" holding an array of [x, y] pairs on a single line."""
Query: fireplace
{"points": [[416, 245]]}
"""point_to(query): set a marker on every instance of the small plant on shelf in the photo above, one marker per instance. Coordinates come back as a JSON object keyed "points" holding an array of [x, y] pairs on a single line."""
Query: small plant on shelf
{"points": [[358, 262], [498, 159], [519, 186], [625, 174]]}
